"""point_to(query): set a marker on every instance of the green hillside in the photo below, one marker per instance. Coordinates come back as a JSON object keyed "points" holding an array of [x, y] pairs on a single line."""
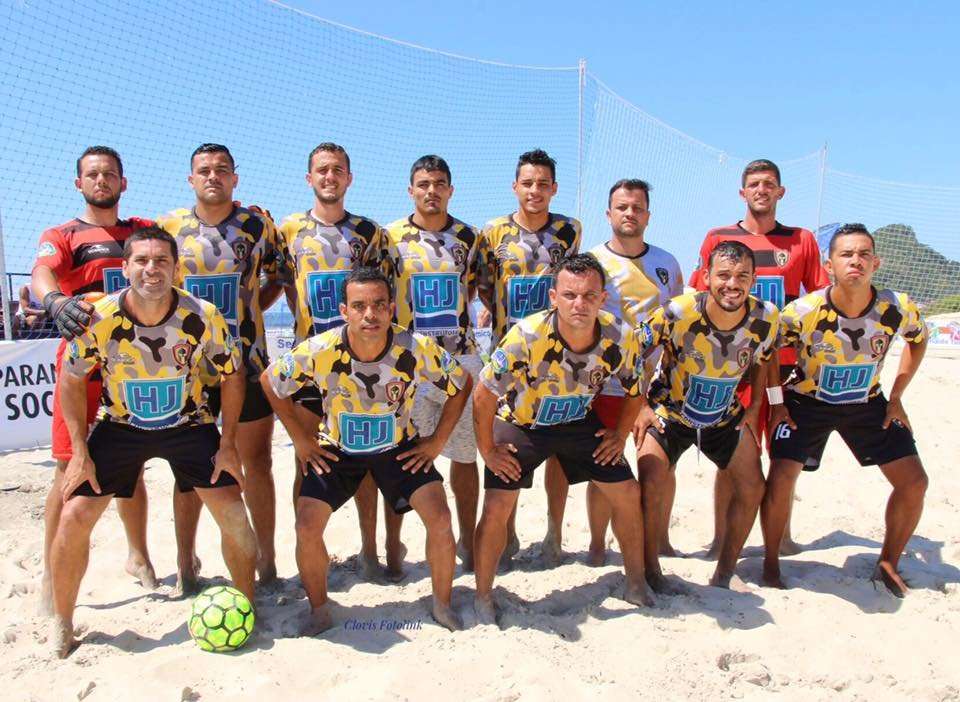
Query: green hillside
{"points": [[909, 266]]}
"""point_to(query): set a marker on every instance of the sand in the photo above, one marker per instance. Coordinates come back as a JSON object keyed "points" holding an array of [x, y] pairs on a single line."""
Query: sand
{"points": [[565, 634]]}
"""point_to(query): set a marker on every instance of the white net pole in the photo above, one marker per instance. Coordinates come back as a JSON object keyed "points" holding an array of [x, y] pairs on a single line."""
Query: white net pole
{"points": [[5, 290]]}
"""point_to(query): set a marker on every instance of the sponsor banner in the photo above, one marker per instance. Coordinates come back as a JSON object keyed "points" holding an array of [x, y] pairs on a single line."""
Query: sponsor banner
{"points": [[27, 378]]}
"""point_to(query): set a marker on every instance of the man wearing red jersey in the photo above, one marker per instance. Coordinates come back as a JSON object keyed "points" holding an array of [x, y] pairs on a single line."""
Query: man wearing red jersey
{"points": [[786, 258], [82, 256]]}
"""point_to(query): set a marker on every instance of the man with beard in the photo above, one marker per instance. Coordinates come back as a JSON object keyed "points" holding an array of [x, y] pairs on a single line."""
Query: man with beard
{"points": [[82, 256]]}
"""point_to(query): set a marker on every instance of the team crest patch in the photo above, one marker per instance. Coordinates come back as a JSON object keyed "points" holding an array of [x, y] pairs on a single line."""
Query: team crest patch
{"points": [[356, 250], [743, 358], [46, 249], [285, 364], [498, 360], [663, 275], [447, 364], [556, 253], [459, 252], [181, 354], [646, 335], [596, 377], [240, 249], [781, 257], [394, 390], [878, 344], [74, 350]]}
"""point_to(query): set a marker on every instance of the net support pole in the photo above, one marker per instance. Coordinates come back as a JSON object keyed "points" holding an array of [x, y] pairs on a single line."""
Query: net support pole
{"points": [[820, 184], [5, 290], [581, 83]]}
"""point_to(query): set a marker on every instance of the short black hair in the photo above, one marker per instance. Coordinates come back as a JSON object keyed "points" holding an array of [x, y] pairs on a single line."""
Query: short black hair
{"points": [[760, 165], [213, 149], [365, 274], [846, 230], [732, 251], [431, 162], [329, 147], [537, 157], [150, 233], [578, 264], [630, 184], [100, 151]]}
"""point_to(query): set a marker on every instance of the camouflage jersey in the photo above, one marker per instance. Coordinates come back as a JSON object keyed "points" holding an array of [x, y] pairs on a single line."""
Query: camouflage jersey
{"points": [[318, 258], [540, 382], [434, 275], [839, 358], [367, 405], [636, 286], [515, 266], [222, 264], [152, 374], [702, 365]]}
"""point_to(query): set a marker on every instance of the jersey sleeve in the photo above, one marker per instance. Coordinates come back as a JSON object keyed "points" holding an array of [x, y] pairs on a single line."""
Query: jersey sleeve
{"points": [[791, 321], [82, 354], [630, 373], [292, 370], [912, 327], [814, 275], [698, 278], [219, 347], [508, 363], [769, 346], [577, 237], [439, 367], [473, 263], [272, 265], [286, 272], [53, 252], [485, 263]]}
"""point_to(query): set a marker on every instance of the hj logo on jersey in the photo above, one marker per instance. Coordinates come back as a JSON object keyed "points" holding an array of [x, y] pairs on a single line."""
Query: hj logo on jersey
{"points": [[222, 290], [323, 291], [769, 288], [366, 433], [113, 280], [154, 403], [562, 409], [844, 384], [436, 302], [708, 399], [527, 295]]}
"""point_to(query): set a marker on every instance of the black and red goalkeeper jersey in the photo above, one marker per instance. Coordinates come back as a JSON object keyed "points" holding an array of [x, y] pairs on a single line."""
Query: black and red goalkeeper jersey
{"points": [[787, 258], [87, 257]]}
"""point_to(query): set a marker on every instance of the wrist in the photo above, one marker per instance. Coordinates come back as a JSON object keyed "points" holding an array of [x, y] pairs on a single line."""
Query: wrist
{"points": [[50, 301], [775, 395]]}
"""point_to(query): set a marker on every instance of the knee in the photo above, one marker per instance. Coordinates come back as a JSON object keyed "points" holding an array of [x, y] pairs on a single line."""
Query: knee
{"points": [[631, 491], [76, 519], [310, 523], [918, 483], [497, 508], [752, 489]]}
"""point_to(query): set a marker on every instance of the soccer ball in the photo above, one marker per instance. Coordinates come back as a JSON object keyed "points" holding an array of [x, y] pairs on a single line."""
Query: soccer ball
{"points": [[221, 619]]}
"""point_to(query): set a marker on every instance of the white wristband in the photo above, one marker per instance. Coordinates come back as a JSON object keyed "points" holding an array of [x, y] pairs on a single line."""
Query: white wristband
{"points": [[775, 395]]}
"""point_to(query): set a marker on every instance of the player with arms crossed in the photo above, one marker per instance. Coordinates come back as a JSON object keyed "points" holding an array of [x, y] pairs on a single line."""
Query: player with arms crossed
{"points": [[534, 400], [152, 342], [224, 249], [431, 259], [517, 253], [320, 248], [841, 335], [710, 342], [82, 256], [367, 374]]}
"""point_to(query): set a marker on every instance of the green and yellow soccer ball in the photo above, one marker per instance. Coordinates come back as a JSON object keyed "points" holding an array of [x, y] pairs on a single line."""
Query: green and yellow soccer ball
{"points": [[221, 619]]}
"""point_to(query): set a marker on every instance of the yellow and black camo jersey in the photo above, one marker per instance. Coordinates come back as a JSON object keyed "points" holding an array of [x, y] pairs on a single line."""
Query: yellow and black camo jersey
{"points": [[367, 405], [541, 382], [222, 264], [318, 258], [153, 375], [434, 275], [515, 266], [701, 365], [839, 358]]}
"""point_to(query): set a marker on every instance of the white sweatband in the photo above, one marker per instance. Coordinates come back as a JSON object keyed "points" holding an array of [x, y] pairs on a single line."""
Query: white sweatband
{"points": [[775, 395]]}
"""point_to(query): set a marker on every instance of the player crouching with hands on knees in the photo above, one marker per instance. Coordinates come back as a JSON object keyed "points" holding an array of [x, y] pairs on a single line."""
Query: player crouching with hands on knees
{"points": [[367, 373]]}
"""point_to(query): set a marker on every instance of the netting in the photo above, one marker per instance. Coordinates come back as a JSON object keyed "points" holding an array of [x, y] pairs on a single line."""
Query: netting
{"points": [[155, 80]]}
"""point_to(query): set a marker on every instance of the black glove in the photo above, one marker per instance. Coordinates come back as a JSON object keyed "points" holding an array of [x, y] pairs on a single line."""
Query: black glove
{"points": [[67, 313]]}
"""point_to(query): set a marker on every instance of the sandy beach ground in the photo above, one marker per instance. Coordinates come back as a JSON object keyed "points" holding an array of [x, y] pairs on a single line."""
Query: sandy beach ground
{"points": [[565, 633]]}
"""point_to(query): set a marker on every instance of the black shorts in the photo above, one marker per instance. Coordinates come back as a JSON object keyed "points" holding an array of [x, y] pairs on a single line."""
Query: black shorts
{"points": [[255, 403], [716, 443], [119, 451], [859, 425], [309, 397], [573, 444], [341, 483]]}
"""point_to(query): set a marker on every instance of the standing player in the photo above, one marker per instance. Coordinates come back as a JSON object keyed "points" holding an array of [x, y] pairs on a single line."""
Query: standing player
{"points": [[153, 343], [320, 248], [841, 336], [81, 256], [517, 253], [710, 342], [787, 258], [367, 374], [640, 278], [540, 384], [223, 250], [431, 260]]}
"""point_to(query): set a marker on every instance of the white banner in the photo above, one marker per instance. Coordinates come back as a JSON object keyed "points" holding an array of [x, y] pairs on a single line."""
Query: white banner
{"points": [[27, 380]]}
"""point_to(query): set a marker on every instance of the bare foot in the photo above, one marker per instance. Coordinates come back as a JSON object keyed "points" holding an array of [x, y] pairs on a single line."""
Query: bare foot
{"points": [[638, 594], [888, 575], [142, 570], [713, 551], [550, 548], [267, 571], [188, 583], [61, 638], [660, 585], [771, 576], [728, 581], [597, 555], [368, 568], [789, 547], [45, 606], [318, 621], [465, 556], [446, 617], [485, 610], [506, 559], [667, 550], [394, 572]]}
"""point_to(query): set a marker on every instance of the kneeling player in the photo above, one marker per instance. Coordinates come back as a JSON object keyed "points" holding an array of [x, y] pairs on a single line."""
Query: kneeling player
{"points": [[540, 383], [151, 342], [842, 334], [710, 341], [367, 373]]}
